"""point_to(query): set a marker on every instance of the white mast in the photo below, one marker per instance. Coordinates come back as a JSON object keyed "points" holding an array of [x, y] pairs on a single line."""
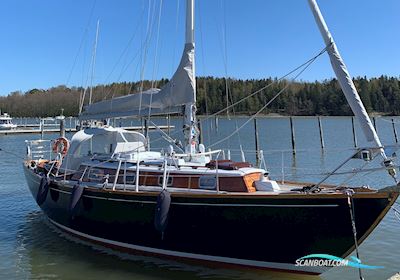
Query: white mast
{"points": [[189, 38], [343, 76], [190, 126]]}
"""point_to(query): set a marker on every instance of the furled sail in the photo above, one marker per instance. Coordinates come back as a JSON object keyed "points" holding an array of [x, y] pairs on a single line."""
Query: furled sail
{"points": [[172, 98], [344, 78]]}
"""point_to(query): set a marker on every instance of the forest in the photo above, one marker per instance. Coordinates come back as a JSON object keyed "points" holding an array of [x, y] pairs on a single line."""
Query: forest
{"points": [[380, 95]]}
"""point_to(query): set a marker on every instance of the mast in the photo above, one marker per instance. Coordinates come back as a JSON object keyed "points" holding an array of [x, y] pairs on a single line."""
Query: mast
{"points": [[190, 124], [344, 78], [177, 96]]}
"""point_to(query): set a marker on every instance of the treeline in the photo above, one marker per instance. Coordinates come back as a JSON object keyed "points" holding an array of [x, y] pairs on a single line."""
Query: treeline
{"points": [[380, 95]]}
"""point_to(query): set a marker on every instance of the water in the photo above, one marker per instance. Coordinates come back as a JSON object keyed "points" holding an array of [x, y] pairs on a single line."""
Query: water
{"points": [[30, 248]]}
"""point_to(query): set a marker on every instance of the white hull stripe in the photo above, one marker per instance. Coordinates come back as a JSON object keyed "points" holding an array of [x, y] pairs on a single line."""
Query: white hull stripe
{"points": [[252, 263], [209, 204]]}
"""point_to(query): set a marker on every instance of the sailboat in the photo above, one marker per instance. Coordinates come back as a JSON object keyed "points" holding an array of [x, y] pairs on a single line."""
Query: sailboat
{"points": [[108, 187]]}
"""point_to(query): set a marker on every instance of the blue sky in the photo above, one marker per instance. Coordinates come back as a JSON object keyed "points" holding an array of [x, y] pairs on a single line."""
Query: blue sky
{"points": [[41, 39]]}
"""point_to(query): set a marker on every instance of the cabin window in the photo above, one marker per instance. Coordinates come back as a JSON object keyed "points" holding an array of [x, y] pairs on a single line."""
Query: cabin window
{"points": [[161, 180], [207, 182]]}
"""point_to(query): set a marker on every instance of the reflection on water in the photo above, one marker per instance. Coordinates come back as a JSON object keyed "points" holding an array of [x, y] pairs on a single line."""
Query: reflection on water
{"points": [[31, 248]]}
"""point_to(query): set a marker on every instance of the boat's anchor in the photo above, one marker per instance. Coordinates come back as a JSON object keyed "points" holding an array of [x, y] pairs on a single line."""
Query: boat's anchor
{"points": [[162, 210], [43, 190]]}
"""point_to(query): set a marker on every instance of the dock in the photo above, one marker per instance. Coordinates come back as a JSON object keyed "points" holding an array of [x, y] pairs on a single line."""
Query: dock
{"points": [[57, 130]]}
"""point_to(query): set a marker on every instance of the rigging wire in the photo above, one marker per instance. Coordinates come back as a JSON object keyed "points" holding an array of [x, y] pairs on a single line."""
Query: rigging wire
{"points": [[155, 58], [91, 69], [229, 97], [125, 67], [269, 102], [309, 61], [204, 69], [123, 54], [176, 33], [94, 62], [81, 43], [352, 174], [225, 56], [146, 46]]}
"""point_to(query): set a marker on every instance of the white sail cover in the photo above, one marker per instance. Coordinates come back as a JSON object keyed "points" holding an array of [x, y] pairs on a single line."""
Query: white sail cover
{"points": [[179, 91], [343, 76]]}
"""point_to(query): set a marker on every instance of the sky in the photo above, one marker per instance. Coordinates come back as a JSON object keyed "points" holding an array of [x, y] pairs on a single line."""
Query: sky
{"points": [[48, 43]]}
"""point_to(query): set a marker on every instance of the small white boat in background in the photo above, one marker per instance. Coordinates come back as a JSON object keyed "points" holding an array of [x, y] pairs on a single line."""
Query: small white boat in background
{"points": [[6, 122]]}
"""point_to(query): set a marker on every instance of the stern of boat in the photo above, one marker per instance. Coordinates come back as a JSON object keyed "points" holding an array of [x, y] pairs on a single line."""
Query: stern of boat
{"points": [[38, 155]]}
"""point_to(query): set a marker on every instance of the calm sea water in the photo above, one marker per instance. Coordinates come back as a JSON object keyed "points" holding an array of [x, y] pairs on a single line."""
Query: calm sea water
{"points": [[30, 248]]}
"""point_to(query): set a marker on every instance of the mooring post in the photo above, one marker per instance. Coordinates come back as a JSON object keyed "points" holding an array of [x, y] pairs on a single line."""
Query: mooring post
{"points": [[256, 142], [62, 127], [375, 124], [293, 136], [394, 131], [146, 132], [200, 126], [321, 133], [41, 128], [168, 124], [62, 123], [354, 132], [216, 123]]}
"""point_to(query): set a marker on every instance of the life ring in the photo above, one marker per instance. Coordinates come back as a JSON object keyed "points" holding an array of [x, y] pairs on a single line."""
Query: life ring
{"points": [[61, 145]]}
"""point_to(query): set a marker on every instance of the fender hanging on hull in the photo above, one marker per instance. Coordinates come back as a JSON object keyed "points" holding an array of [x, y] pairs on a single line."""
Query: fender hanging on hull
{"points": [[162, 210], [76, 195], [43, 190]]}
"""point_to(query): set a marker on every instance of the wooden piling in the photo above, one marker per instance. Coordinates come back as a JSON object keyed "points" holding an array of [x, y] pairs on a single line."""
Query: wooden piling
{"points": [[216, 123], [394, 131], [146, 132], [62, 127], [321, 133], [200, 127], [354, 132], [292, 135], [41, 129], [62, 123], [169, 124], [256, 141]]}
